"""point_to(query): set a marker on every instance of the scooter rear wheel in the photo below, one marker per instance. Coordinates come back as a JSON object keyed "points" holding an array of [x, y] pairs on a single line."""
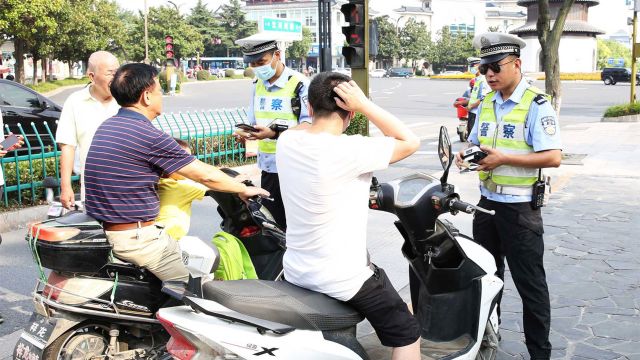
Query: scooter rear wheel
{"points": [[78, 344]]}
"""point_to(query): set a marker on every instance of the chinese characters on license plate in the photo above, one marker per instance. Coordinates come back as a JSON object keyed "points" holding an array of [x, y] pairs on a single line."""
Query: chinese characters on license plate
{"points": [[34, 338]]}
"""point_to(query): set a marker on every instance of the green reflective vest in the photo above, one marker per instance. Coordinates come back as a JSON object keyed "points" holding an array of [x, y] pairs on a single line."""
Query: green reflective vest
{"points": [[275, 105], [508, 136], [475, 92]]}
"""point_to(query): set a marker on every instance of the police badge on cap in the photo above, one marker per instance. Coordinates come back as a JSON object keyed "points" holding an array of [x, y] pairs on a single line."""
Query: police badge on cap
{"points": [[497, 46]]}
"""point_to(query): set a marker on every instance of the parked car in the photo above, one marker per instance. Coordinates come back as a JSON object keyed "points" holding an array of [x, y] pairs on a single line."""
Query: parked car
{"points": [[377, 73], [22, 105], [611, 76], [400, 72], [346, 71]]}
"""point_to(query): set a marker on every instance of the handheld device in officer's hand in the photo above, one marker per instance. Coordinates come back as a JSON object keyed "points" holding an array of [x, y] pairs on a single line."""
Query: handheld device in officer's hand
{"points": [[473, 154], [278, 126], [10, 141], [246, 127]]}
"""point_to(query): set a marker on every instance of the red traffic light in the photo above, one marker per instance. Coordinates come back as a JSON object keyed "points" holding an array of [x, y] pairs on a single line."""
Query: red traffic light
{"points": [[168, 47], [169, 54], [168, 39]]}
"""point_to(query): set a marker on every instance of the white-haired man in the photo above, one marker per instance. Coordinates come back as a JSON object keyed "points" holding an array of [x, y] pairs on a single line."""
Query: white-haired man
{"points": [[81, 115]]}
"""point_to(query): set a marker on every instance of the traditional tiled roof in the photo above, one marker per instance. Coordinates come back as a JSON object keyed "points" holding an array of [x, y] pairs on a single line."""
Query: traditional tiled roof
{"points": [[570, 26], [505, 13]]}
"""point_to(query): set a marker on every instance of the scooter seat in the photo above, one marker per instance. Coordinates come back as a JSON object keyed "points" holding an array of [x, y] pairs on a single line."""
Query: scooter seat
{"points": [[284, 303]]}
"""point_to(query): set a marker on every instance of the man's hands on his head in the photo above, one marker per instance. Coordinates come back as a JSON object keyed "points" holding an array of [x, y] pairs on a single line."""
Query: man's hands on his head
{"points": [[351, 97]]}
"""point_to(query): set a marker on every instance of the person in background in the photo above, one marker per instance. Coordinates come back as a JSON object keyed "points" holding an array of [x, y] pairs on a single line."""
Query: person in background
{"points": [[81, 115]]}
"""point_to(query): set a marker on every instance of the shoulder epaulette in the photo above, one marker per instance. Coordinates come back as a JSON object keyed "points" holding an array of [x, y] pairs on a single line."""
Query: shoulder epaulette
{"points": [[540, 99], [255, 81]]}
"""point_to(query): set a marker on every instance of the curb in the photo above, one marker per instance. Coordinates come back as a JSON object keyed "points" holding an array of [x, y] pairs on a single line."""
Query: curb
{"points": [[61, 89], [621, 119], [211, 81], [19, 219]]}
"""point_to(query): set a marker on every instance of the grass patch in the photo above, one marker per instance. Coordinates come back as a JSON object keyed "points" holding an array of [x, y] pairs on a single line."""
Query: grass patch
{"points": [[52, 85], [577, 76], [465, 76], [623, 110]]}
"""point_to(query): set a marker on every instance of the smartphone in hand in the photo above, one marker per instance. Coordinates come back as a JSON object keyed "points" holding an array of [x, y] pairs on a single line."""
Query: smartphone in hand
{"points": [[246, 127], [9, 142]]}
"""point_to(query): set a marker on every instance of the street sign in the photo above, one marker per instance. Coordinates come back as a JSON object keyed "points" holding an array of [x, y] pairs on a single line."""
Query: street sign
{"points": [[284, 29], [636, 6], [618, 62]]}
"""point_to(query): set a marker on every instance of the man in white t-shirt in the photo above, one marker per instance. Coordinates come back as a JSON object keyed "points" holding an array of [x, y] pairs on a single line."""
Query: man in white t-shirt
{"points": [[325, 178], [81, 115]]}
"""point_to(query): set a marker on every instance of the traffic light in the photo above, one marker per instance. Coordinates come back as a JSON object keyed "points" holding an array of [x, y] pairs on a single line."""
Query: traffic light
{"points": [[168, 48], [354, 14]]}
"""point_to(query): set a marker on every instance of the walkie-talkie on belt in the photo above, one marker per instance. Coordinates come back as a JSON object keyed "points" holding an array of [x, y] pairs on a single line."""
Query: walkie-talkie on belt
{"points": [[537, 200]]}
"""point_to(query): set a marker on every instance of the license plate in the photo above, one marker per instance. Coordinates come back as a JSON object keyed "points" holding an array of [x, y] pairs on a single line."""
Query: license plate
{"points": [[55, 211], [34, 338]]}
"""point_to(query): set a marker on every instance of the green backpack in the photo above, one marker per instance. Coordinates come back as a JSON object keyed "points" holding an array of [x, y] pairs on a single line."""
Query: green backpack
{"points": [[235, 263]]}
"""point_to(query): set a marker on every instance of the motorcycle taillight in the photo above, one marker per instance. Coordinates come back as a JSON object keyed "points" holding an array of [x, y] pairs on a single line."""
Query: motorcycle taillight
{"points": [[178, 346], [248, 231]]}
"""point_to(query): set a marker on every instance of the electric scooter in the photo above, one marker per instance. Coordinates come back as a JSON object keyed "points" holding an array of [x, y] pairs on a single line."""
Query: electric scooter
{"points": [[90, 305], [452, 281]]}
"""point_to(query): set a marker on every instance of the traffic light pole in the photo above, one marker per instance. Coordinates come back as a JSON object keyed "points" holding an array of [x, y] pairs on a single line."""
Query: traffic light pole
{"points": [[324, 35]]}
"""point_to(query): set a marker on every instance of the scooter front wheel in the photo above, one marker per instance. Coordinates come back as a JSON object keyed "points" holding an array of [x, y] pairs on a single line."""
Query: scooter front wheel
{"points": [[489, 346]]}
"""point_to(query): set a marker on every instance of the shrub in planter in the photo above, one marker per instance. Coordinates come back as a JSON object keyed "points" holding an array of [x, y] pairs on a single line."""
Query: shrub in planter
{"points": [[229, 73], [248, 72], [203, 75], [358, 125], [623, 110]]}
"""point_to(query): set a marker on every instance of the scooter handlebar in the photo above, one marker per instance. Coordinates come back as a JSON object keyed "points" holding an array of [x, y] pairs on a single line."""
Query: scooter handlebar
{"points": [[459, 205]]}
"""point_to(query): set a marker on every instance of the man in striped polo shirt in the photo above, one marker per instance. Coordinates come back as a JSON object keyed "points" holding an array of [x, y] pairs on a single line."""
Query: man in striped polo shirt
{"points": [[126, 158]]}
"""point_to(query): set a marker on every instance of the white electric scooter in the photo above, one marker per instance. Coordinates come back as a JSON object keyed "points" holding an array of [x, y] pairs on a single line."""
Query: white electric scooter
{"points": [[453, 288]]}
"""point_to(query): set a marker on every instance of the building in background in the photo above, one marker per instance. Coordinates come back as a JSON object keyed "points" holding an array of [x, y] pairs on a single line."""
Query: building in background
{"points": [[305, 11], [504, 15], [422, 14], [578, 45]]}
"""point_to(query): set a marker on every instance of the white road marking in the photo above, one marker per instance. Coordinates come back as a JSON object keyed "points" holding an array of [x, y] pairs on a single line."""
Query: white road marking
{"points": [[10, 296], [425, 153], [375, 130]]}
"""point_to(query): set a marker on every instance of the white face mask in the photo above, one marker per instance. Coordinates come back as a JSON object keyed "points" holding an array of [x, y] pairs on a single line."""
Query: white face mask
{"points": [[474, 70], [265, 72]]}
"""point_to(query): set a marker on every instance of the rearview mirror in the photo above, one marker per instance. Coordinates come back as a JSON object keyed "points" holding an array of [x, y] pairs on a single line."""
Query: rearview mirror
{"points": [[444, 153]]}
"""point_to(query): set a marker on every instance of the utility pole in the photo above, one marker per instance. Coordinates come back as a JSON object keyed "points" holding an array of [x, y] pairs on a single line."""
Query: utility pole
{"points": [[146, 34], [635, 49]]}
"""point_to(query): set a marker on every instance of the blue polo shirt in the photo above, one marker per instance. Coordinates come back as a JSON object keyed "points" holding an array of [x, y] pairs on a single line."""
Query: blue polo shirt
{"points": [[126, 158]]}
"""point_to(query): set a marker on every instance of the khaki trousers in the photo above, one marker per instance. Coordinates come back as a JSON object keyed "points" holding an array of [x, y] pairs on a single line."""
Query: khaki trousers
{"points": [[151, 248]]}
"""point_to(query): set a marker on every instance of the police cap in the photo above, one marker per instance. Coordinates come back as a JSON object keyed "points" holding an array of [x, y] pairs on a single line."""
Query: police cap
{"points": [[254, 50], [496, 46]]}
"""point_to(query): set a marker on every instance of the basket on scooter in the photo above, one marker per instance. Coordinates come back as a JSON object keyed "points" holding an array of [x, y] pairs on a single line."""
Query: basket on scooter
{"points": [[463, 113], [73, 243]]}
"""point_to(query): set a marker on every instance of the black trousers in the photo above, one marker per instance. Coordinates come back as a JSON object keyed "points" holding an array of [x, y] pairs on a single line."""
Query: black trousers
{"points": [[515, 233], [271, 183]]}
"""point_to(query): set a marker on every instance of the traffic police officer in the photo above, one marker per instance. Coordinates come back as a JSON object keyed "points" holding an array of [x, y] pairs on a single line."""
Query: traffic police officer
{"points": [[518, 128], [279, 98], [478, 92]]}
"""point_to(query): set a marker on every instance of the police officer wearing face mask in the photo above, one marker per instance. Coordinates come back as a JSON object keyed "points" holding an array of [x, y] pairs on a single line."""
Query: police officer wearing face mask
{"points": [[518, 129], [279, 98]]}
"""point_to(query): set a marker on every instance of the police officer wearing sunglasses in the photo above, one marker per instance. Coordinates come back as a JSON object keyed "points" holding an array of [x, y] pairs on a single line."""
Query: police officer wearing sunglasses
{"points": [[518, 128]]}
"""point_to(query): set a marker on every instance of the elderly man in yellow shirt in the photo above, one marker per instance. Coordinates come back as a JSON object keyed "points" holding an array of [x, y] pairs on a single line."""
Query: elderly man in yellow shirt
{"points": [[176, 195]]}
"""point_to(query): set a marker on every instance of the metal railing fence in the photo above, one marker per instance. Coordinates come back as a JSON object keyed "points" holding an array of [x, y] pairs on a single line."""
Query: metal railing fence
{"points": [[208, 132]]}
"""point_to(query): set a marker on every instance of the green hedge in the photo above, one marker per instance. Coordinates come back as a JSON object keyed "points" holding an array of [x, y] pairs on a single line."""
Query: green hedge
{"points": [[467, 76], [204, 75], [52, 85], [358, 125], [577, 76], [623, 110], [248, 72]]}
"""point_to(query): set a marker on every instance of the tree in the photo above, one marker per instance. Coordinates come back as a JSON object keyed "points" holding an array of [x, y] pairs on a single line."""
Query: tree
{"points": [[86, 26], [163, 21], [549, 38], [23, 21], [450, 50], [234, 26], [203, 20], [612, 49], [300, 49], [389, 43], [415, 41]]}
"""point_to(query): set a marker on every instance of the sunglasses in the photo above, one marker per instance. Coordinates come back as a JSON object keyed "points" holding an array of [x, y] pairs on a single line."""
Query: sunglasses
{"points": [[495, 67]]}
